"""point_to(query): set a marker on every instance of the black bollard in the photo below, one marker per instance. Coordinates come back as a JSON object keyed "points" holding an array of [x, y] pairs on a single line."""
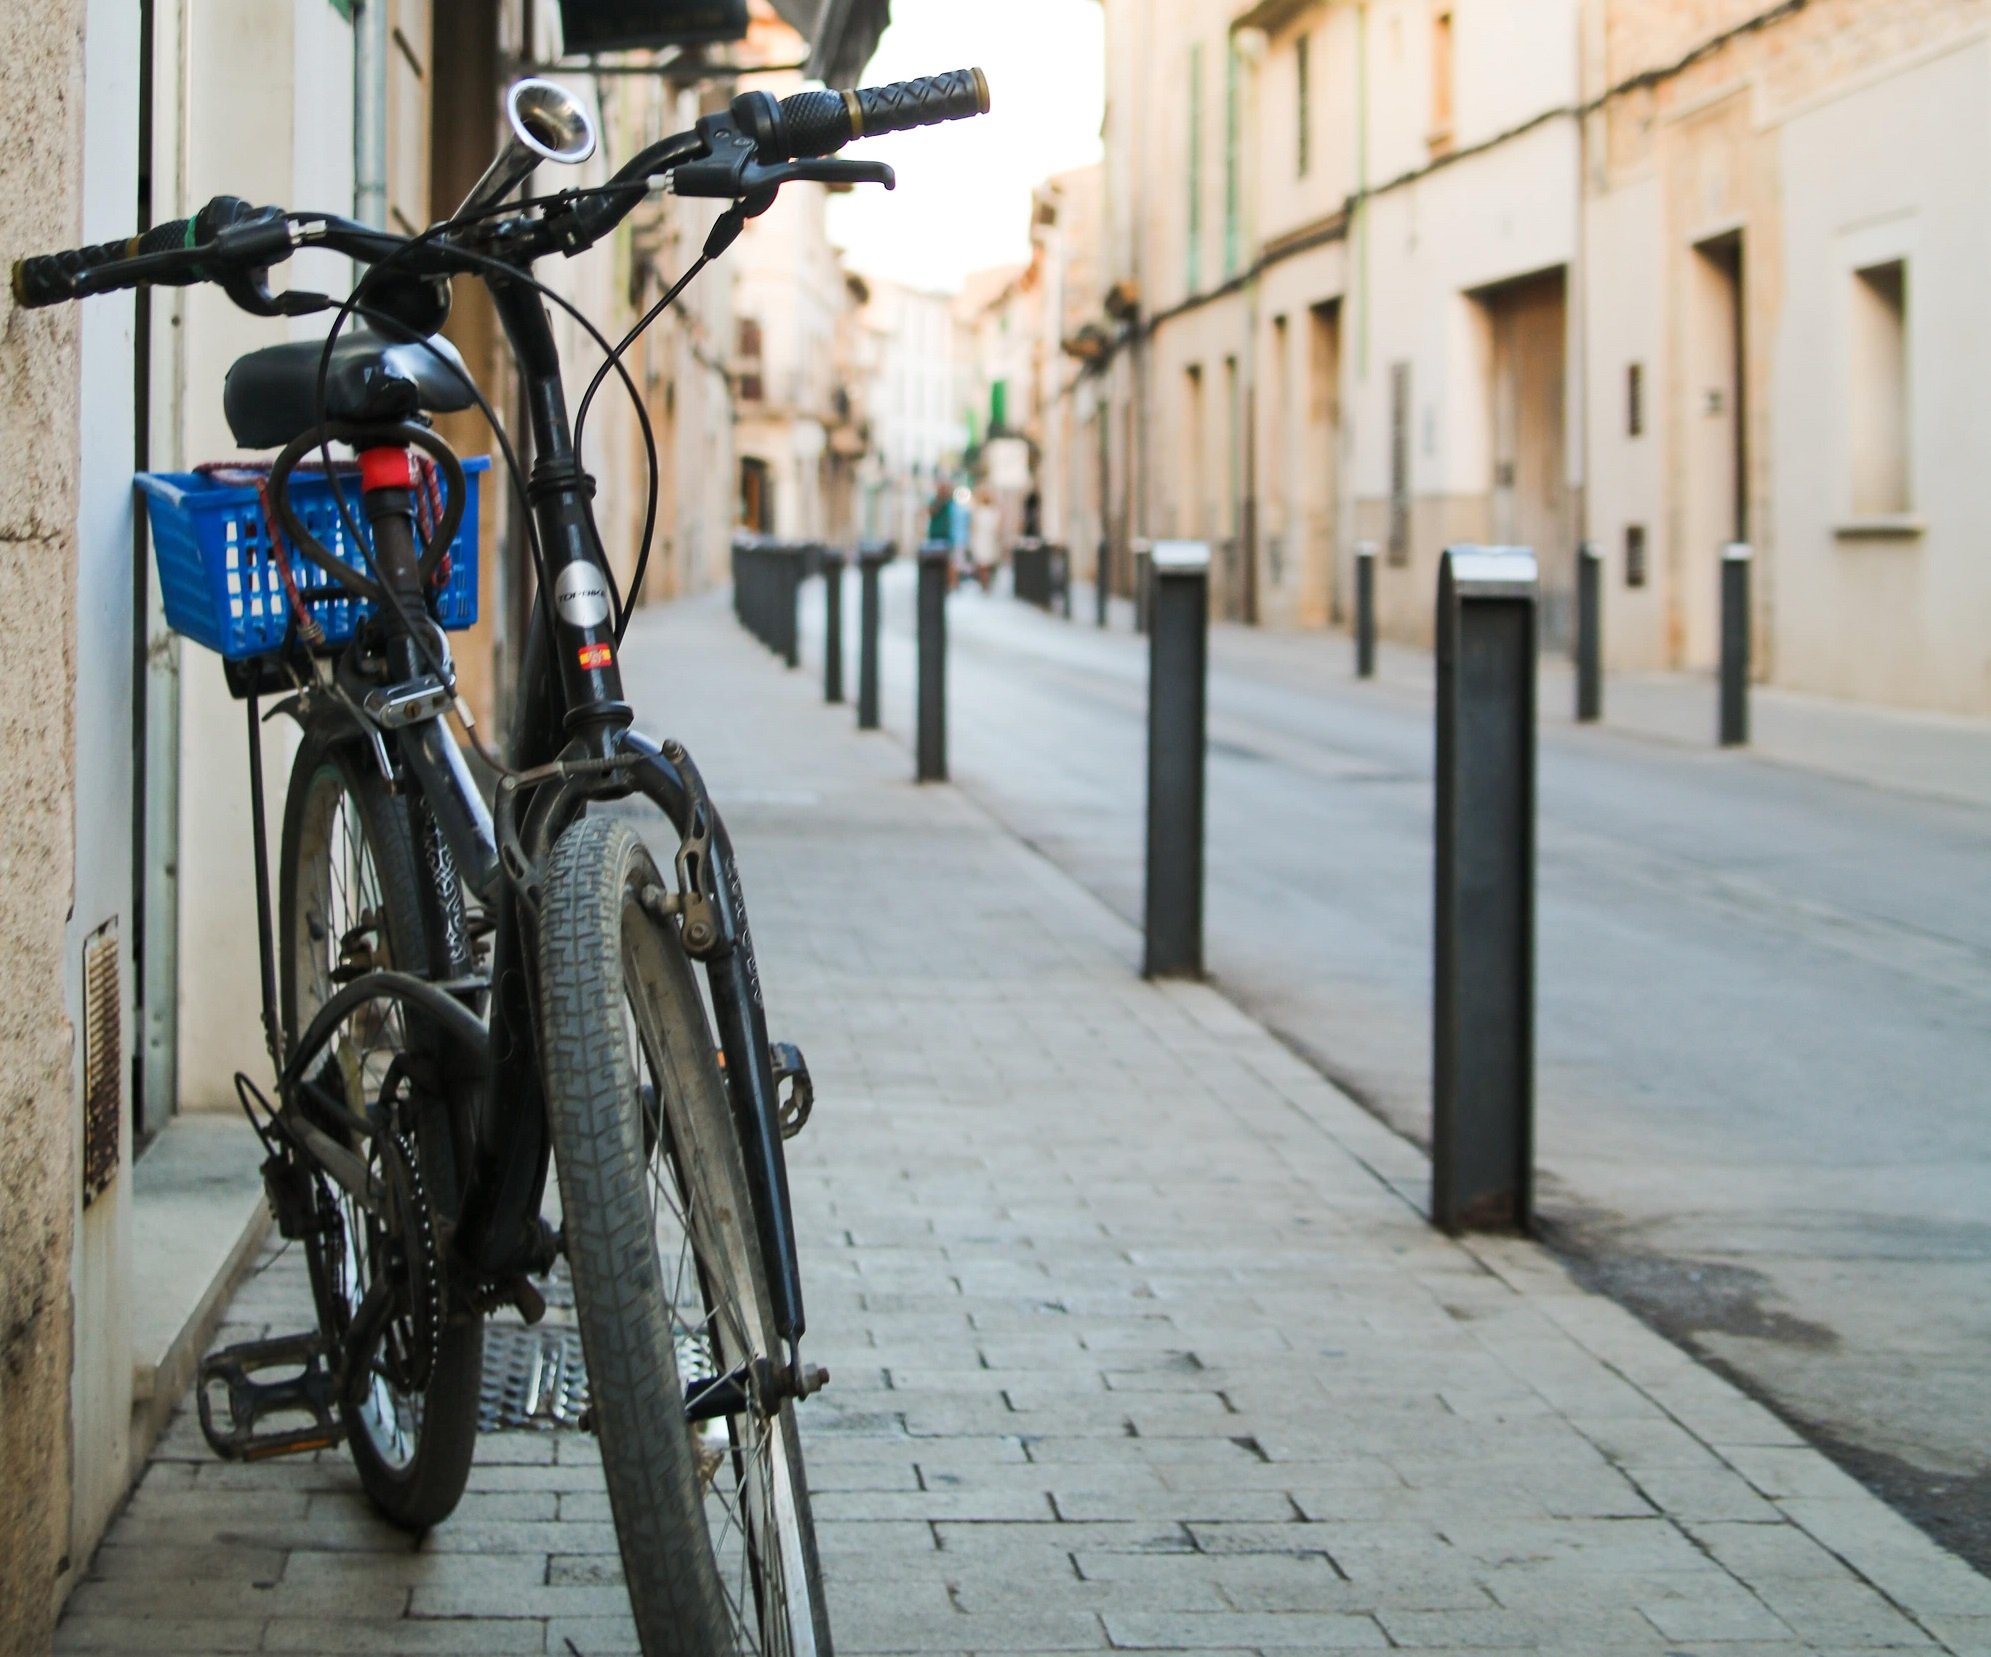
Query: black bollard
{"points": [[1026, 572], [1061, 578], [1589, 633], [1483, 990], [1736, 558], [1365, 610], [833, 625], [934, 559], [1143, 584], [746, 593], [792, 562], [1178, 706], [872, 557], [1100, 584]]}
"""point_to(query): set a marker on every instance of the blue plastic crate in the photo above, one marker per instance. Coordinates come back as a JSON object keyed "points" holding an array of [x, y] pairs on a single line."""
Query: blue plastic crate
{"points": [[221, 587]]}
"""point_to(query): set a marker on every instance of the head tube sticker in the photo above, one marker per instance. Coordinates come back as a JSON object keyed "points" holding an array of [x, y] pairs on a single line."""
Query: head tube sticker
{"points": [[580, 594], [597, 655]]}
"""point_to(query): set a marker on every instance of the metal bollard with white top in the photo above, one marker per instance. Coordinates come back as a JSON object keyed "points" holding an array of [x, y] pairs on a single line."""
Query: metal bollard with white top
{"points": [[1483, 979], [1178, 698], [1736, 559]]}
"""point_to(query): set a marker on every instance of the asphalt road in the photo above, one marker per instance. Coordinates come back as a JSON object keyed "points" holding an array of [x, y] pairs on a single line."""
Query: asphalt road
{"points": [[1764, 1023]]}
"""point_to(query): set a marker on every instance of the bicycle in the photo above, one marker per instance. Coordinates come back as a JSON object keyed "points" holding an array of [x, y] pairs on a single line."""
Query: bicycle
{"points": [[457, 996]]}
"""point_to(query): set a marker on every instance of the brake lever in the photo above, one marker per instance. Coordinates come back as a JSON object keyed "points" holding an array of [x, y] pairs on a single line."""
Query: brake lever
{"points": [[251, 244], [819, 170], [732, 172]]}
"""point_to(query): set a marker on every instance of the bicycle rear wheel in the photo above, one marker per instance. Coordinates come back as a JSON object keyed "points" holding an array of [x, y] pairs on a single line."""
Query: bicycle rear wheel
{"points": [[718, 1547], [351, 900]]}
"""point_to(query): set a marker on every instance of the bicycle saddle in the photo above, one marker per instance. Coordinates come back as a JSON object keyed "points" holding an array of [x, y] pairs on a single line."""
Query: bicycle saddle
{"points": [[272, 395]]}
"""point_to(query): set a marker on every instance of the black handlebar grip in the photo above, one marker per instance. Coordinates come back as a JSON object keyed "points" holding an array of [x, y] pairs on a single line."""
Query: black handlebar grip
{"points": [[815, 123], [54, 277], [821, 123], [50, 278], [921, 103]]}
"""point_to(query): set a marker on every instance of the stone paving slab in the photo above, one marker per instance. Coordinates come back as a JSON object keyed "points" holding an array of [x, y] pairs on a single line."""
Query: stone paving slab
{"points": [[1140, 1340]]}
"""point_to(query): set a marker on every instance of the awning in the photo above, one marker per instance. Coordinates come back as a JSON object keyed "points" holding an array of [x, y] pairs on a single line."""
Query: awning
{"points": [[842, 34], [1270, 15]]}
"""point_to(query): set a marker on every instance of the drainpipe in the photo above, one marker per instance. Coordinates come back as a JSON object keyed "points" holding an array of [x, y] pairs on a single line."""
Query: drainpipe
{"points": [[1362, 190], [370, 48], [1580, 270]]}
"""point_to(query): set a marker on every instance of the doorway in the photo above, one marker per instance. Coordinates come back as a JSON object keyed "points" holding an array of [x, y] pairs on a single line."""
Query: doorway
{"points": [[756, 495], [1320, 477], [1716, 426], [1527, 326]]}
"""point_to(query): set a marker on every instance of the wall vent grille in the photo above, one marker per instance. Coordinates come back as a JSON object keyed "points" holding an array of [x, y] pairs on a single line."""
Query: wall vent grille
{"points": [[103, 1061]]}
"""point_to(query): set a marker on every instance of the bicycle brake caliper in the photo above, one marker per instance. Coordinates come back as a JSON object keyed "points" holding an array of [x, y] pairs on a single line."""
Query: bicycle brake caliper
{"points": [[800, 1101]]}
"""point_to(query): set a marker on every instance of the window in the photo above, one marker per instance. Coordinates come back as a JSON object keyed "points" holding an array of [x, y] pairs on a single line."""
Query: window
{"points": [[1634, 555], [1880, 391], [1195, 168], [1635, 400], [1441, 78], [748, 340], [1303, 72], [1399, 543]]}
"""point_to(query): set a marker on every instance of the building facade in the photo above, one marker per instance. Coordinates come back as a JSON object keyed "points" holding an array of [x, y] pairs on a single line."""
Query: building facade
{"points": [[1656, 277]]}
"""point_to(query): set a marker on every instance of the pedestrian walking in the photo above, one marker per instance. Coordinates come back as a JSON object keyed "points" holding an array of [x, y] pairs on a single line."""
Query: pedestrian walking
{"points": [[940, 514], [985, 545]]}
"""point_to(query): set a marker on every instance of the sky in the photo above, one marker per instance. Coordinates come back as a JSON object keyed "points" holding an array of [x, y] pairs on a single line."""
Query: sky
{"points": [[963, 201]]}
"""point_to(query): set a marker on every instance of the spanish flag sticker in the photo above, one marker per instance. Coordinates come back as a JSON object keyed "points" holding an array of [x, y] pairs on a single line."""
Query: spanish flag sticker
{"points": [[597, 655]]}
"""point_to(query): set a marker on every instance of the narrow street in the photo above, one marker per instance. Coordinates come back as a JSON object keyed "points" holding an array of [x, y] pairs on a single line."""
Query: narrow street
{"points": [[1763, 1028]]}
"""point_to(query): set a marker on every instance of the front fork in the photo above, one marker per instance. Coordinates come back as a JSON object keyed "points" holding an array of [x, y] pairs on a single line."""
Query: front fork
{"points": [[710, 909], [715, 931]]}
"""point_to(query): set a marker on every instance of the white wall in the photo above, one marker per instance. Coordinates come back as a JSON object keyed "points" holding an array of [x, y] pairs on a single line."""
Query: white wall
{"points": [[1628, 479], [283, 71], [1895, 169], [101, 1363], [1487, 219]]}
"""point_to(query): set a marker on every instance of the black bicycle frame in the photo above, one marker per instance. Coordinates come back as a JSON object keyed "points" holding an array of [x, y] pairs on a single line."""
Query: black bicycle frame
{"points": [[572, 713]]}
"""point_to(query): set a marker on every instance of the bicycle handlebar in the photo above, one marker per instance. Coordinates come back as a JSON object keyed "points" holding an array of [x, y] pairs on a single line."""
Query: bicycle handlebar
{"points": [[228, 239]]}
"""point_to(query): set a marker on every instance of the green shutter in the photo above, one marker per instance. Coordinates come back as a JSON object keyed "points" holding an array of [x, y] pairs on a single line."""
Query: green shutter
{"points": [[1195, 165], [1233, 180], [1303, 60], [998, 407]]}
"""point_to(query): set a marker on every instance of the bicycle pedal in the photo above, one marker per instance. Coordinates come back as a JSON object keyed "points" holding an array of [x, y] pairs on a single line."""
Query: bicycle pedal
{"points": [[309, 1392], [792, 1068]]}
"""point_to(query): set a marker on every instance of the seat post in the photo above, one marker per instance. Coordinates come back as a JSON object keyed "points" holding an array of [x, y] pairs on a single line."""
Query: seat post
{"points": [[387, 482]]}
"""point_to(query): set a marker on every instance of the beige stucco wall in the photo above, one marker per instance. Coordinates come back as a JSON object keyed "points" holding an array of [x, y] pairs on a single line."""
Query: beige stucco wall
{"points": [[40, 173], [1840, 136], [1896, 170]]}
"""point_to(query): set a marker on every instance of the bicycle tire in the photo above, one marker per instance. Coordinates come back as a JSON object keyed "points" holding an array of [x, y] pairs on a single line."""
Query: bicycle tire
{"points": [[338, 806], [619, 1002]]}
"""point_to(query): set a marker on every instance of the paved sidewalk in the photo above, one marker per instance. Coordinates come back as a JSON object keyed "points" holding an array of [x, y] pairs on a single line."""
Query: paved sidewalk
{"points": [[1139, 1339]]}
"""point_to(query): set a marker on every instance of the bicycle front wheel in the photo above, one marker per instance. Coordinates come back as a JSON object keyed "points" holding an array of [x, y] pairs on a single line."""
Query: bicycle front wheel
{"points": [[712, 1514]]}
